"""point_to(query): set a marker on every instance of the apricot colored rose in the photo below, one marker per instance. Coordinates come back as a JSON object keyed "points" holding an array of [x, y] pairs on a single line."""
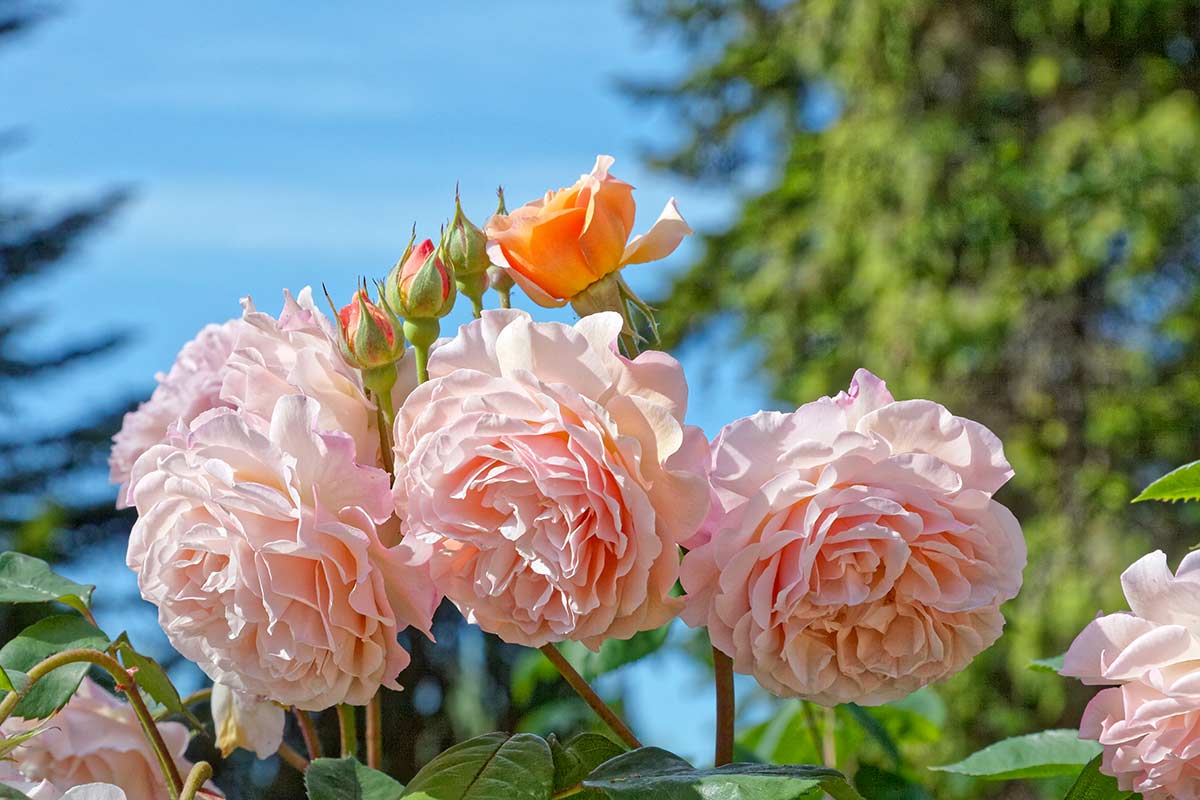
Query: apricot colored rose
{"points": [[557, 246], [552, 479]]}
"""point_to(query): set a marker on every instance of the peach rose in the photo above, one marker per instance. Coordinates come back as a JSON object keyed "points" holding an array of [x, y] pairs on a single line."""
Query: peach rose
{"points": [[192, 387], [552, 478], [855, 553], [559, 245], [272, 556], [95, 738], [1149, 720]]}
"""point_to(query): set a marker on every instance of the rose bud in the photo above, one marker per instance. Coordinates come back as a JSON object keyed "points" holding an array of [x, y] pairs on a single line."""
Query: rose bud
{"points": [[371, 341], [369, 337], [464, 247], [421, 285]]}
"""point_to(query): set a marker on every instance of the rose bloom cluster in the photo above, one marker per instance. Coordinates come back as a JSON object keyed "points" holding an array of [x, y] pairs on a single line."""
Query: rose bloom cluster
{"points": [[308, 487]]}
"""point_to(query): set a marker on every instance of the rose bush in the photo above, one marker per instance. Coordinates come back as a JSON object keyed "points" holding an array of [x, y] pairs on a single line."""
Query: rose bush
{"points": [[308, 490]]}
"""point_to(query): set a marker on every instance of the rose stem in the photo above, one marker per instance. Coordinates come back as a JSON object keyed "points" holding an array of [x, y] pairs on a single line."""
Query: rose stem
{"points": [[375, 731], [195, 780], [290, 755], [813, 730], [830, 731], [125, 682], [348, 727], [312, 742], [589, 695], [723, 672]]}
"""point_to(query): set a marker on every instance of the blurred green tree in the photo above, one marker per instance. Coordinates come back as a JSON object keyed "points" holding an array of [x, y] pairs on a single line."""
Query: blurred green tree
{"points": [[993, 204]]}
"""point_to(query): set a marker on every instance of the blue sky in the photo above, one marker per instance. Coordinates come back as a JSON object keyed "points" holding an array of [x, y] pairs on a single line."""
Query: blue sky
{"points": [[272, 147]]}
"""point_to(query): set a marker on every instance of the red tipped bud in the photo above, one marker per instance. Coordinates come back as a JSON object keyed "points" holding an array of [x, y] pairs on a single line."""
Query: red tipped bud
{"points": [[370, 337], [421, 286]]}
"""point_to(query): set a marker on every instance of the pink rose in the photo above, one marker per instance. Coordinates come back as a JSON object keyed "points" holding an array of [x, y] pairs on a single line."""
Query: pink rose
{"points": [[273, 558], [96, 738], [1149, 721], [192, 387], [300, 354], [552, 478], [855, 553]]}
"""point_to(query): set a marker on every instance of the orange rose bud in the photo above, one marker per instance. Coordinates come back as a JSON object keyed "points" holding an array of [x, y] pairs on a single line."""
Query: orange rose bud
{"points": [[558, 246]]}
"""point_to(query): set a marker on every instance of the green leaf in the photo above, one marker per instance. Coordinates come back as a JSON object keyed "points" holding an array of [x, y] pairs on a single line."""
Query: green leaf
{"points": [[40, 640], [25, 579], [9, 793], [579, 756], [150, 677], [1035, 755], [348, 779], [1094, 785], [1054, 664], [653, 773], [495, 766], [881, 784], [1178, 484]]}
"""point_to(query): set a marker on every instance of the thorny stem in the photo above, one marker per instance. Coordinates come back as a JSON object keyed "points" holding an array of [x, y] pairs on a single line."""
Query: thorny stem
{"points": [[589, 696], [125, 682], [723, 672], [308, 731]]}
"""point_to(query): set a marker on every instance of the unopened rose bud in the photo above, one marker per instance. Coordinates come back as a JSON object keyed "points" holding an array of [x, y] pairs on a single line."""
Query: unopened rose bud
{"points": [[370, 338], [464, 247], [422, 285]]}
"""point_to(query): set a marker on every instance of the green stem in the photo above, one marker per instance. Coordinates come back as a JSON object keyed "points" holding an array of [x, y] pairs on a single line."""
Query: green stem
{"points": [[384, 420], [585, 691], [830, 739], [308, 731], [505, 297], [814, 731], [348, 728], [421, 334], [477, 306], [375, 731], [196, 779], [723, 672], [125, 682]]}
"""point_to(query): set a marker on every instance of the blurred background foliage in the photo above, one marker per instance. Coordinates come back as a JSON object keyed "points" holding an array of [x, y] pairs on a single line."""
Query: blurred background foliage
{"points": [[994, 204], [989, 203]]}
